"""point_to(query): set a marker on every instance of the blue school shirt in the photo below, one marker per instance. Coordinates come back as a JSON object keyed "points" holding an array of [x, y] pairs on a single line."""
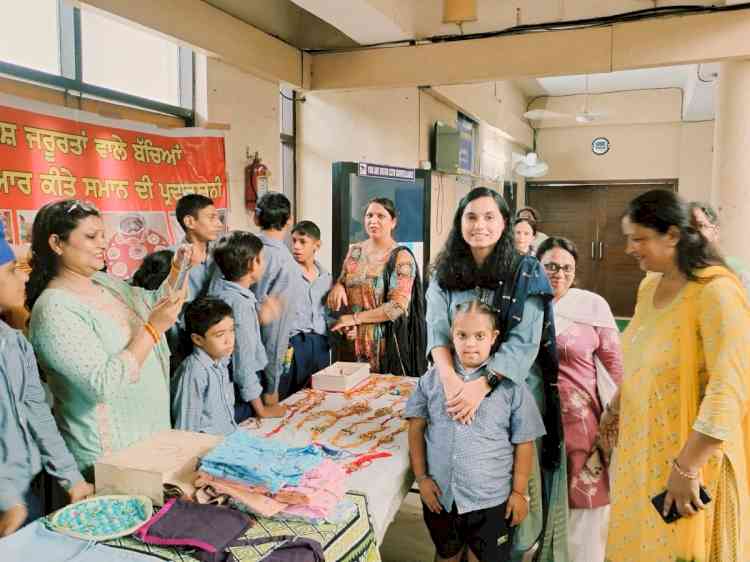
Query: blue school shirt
{"points": [[282, 277], [29, 438], [311, 309], [249, 355], [203, 395], [473, 464]]}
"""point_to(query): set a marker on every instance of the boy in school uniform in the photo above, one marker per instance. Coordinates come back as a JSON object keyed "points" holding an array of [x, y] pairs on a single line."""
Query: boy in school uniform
{"points": [[473, 478], [239, 258], [309, 338], [29, 438], [282, 278], [202, 390], [198, 217]]}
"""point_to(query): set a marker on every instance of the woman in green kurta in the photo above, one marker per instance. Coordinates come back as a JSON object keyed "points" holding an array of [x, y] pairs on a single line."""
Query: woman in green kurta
{"points": [[99, 341]]}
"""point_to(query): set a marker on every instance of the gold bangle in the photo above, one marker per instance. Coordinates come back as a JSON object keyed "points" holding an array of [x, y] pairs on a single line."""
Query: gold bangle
{"points": [[149, 327], [684, 473]]}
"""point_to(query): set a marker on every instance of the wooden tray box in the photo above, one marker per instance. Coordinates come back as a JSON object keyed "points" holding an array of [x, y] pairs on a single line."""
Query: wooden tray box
{"points": [[341, 376]]}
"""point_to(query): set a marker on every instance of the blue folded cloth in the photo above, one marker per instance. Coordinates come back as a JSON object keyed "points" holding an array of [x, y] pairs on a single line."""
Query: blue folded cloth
{"points": [[260, 462]]}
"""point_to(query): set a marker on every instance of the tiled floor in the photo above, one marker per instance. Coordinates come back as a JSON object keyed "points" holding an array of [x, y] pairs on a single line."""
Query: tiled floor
{"points": [[407, 539]]}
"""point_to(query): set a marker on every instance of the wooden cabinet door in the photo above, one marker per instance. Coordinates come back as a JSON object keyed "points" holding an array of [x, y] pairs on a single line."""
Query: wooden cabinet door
{"points": [[572, 212]]}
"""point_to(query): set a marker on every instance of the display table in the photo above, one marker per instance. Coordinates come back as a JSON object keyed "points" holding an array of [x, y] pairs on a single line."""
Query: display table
{"points": [[349, 541], [385, 481], [367, 436]]}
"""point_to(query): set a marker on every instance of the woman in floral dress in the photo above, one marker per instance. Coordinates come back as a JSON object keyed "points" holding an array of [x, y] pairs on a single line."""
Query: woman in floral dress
{"points": [[587, 342], [372, 297]]}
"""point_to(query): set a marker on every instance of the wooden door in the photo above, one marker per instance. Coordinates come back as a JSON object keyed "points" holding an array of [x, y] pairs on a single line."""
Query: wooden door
{"points": [[572, 212], [618, 274], [590, 215]]}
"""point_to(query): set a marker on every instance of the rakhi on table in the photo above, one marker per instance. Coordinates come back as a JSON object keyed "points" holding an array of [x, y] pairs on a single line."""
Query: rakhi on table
{"points": [[355, 409], [367, 436], [310, 400]]}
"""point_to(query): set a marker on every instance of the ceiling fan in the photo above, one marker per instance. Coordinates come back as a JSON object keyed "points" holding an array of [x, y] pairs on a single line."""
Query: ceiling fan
{"points": [[584, 116]]}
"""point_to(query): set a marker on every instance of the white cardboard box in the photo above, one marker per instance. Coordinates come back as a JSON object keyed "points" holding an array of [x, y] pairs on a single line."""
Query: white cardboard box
{"points": [[170, 456], [341, 376]]}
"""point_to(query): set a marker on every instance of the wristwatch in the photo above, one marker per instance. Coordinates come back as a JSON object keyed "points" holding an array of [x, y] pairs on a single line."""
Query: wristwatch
{"points": [[420, 479], [493, 379]]}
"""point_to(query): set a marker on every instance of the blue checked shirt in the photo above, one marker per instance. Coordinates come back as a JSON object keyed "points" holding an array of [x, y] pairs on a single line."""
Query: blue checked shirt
{"points": [[282, 277], [473, 464], [203, 395], [249, 355], [311, 309], [29, 438]]}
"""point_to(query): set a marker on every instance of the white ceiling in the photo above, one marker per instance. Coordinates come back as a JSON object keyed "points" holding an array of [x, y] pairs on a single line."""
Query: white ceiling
{"points": [[697, 83], [326, 24], [642, 79], [332, 24]]}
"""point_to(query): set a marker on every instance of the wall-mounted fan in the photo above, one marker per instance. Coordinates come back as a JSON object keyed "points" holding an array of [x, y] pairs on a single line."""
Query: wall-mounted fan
{"points": [[531, 166], [583, 116]]}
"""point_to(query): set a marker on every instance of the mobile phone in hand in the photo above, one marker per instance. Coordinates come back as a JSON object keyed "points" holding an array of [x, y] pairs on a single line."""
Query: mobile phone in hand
{"points": [[674, 515], [183, 271]]}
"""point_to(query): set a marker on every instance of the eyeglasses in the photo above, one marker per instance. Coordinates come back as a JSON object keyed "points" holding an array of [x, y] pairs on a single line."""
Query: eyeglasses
{"points": [[76, 204], [553, 267]]}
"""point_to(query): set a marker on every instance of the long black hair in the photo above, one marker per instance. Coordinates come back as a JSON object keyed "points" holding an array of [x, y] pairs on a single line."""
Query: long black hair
{"points": [[455, 268], [659, 210], [154, 269], [60, 218]]}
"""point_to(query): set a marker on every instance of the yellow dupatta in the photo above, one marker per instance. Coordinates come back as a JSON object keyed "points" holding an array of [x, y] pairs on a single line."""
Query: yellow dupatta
{"points": [[714, 534]]}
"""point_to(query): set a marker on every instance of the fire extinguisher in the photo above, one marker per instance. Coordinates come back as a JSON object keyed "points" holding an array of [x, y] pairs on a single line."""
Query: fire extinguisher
{"points": [[257, 178]]}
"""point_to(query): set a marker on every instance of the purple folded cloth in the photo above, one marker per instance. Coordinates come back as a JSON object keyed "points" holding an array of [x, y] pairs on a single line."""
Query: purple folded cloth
{"points": [[207, 527]]}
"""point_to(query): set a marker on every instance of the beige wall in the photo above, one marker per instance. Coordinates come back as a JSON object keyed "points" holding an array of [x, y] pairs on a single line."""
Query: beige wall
{"points": [[380, 126], [647, 138], [696, 160], [250, 107], [636, 152], [499, 104]]}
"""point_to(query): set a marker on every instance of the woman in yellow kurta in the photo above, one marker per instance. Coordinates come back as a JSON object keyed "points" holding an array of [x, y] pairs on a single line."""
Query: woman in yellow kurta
{"points": [[683, 406]]}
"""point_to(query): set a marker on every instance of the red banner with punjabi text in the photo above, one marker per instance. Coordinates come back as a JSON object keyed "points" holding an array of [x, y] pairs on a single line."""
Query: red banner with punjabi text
{"points": [[134, 176]]}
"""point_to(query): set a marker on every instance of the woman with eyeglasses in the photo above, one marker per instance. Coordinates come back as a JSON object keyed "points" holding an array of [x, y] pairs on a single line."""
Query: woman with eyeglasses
{"points": [[99, 340], [588, 347], [705, 219], [479, 262]]}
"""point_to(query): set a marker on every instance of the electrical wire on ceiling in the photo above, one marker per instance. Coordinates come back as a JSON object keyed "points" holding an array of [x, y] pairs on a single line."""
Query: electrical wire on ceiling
{"points": [[603, 21], [701, 79]]}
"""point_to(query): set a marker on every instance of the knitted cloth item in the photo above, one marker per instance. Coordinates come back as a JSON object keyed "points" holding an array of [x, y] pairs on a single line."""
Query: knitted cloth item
{"points": [[260, 462], [102, 518], [207, 527]]}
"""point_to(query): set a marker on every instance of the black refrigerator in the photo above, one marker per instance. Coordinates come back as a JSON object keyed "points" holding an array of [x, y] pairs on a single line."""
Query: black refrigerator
{"points": [[356, 183]]}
